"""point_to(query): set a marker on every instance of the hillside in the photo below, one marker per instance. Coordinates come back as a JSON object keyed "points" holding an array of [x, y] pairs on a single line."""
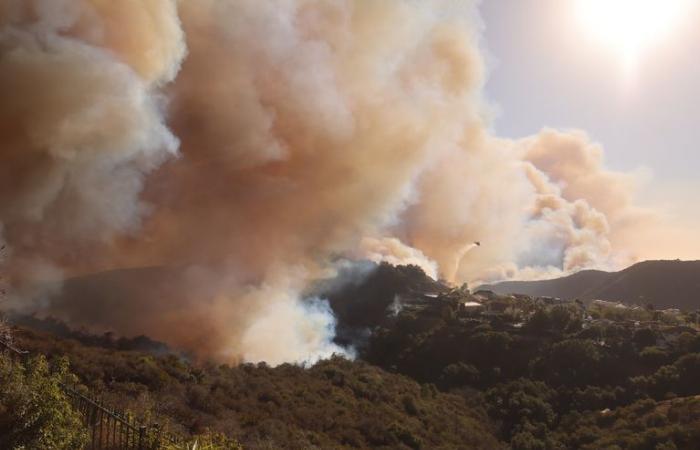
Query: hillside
{"points": [[334, 404], [98, 300], [664, 284], [436, 368], [676, 420]]}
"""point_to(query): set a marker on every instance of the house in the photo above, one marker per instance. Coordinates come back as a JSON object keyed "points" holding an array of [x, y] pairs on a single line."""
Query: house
{"points": [[552, 300], [486, 294], [608, 304], [471, 307]]}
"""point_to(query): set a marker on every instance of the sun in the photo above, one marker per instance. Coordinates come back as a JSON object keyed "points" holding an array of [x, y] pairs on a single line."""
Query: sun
{"points": [[629, 27]]}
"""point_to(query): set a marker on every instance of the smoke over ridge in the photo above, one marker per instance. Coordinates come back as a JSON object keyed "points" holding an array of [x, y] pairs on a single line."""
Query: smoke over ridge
{"points": [[251, 143]]}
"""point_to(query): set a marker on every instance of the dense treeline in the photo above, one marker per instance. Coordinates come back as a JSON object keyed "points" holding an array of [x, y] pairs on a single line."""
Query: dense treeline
{"points": [[336, 403], [553, 347], [548, 371]]}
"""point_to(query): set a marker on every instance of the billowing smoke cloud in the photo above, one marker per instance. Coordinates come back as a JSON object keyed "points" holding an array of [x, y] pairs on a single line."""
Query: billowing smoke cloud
{"points": [[395, 252], [292, 132], [81, 124], [542, 206]]}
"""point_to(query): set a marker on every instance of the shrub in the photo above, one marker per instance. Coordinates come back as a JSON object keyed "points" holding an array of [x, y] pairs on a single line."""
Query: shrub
{"points": [[34, 411]]}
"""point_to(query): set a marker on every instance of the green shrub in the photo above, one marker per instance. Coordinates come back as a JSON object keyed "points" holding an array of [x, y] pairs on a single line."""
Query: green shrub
{"points": [[35, 414]]}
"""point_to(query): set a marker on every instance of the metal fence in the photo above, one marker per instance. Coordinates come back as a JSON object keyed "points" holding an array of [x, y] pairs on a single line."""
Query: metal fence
{"points": [[110, 429]]}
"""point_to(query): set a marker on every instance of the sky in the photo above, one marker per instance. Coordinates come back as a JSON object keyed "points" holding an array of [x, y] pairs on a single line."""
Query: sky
{"points": [[548, 67]]}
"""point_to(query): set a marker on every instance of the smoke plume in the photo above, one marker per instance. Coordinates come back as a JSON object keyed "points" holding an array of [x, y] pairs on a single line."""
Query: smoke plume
{"points": [[393, 251], [247, 144]]}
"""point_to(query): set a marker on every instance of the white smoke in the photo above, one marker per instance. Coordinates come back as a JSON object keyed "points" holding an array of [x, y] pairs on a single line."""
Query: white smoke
{"points": [[395, 252]]}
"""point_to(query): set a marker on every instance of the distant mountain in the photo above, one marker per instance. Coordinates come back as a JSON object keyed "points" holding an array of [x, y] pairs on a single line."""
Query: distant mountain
{"points": [[125, 298], [664, 284]]}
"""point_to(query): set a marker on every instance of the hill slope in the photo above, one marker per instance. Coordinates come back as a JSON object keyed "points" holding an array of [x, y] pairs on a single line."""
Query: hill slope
{"points": [[665, 284], [334, 404], [432, 373]]}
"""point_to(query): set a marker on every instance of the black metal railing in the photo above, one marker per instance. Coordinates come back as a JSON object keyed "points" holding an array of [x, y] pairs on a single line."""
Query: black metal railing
{"points": [[111, 429]]}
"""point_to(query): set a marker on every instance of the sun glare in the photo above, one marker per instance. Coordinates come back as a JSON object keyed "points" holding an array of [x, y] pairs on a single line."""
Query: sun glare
{"points": [[628, 27]]}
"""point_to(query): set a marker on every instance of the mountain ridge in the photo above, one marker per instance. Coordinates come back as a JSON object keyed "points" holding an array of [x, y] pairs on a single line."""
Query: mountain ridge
{"points": [[661, 283]]}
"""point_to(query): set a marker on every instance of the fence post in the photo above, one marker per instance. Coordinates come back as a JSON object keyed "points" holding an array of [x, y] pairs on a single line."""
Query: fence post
{"points": [[92, 422], [114, 431], [142, 434], [128, 431], [100, 418], [156, 441]]}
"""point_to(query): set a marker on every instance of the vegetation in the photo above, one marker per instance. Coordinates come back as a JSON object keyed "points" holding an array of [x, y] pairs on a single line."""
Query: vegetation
{"points": [[34, 411], [546, 369], [518, 372], [336, 403], [644, 424]]}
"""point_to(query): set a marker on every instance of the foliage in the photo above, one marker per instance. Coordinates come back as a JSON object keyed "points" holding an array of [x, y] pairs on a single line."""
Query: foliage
{"points": [[678, 379], [519, 404], [335, 403], [532, 373], [207, 441], [644, 424], [34, 411]]}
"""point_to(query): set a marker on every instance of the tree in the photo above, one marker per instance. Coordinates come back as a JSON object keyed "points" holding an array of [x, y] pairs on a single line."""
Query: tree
{"points": [[571, 362], [526, 441], [653, 356], [34, 411], [459, 374], [679, 378], [644, 337], [519, 403], [538, 322]]}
